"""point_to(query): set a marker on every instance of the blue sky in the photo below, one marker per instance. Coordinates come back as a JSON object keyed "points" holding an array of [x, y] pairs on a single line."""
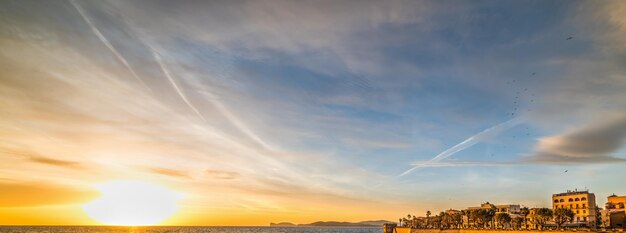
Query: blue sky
{"points": [[251, 104]]}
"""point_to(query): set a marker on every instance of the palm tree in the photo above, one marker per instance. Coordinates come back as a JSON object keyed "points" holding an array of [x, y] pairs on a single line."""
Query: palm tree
{"points": [[542, 216], [469, 216], [475, 217], [445, 223], [427, 218], [563, 215], [457, 220], [517, 222], [524, 212], [491, 212], [502, 219]]}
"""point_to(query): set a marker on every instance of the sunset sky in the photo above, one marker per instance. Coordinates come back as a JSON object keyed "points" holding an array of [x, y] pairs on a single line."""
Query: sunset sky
{"points": [[299, 111]]}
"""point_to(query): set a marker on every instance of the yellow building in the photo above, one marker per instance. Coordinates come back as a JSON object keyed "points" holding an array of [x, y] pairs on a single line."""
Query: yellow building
{"points": [[582, 203], [616, 202], [614, 215], [531, 223]]}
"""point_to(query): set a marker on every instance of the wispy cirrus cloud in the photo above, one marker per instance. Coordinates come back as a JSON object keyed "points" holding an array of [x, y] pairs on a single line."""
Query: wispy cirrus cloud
{"points": [[55, 162], [222, 174], [168, 172]]}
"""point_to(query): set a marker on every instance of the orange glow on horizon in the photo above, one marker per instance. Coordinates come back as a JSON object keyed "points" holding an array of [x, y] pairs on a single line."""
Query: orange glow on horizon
{"points": [[132, 203]]}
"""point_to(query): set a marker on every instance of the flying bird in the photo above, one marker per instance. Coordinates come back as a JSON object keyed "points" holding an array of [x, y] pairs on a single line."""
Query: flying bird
{"points": [[565, 171], [569, 38]]}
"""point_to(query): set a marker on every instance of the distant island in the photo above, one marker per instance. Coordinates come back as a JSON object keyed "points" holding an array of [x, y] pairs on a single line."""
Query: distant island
{"points": [[282, 224], [371, 223]]}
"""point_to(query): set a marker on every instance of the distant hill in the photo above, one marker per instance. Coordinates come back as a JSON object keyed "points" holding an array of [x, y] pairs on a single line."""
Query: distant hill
{"points": [[375, 222], [282, 224], [371, 223]]}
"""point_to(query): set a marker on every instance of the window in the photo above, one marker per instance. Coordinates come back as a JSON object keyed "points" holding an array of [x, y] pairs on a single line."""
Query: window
{"points": [[583, 199], [585, 219], [576, 206], [583, 205], [556, 201], [577, 199], [578, 211], [584, 211], [570, 200], [562, 200]]}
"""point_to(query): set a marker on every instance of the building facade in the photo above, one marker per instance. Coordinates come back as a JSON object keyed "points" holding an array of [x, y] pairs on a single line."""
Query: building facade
{"points": [[582, 203], [509, 209], [614, 215], [512, 210], [531, 223]]}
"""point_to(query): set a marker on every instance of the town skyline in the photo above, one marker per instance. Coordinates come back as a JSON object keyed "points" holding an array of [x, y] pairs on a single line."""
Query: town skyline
{"points": [[570, 209]]}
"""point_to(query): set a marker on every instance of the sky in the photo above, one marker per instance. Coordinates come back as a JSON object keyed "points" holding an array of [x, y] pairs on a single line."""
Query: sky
{"points": [[299, 111]]}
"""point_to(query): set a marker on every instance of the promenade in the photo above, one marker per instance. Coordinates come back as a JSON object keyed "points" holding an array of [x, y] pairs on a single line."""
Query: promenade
{"points": [[414, 230]]}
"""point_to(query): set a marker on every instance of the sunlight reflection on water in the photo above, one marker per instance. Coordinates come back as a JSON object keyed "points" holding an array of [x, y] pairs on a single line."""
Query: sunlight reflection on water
{"points": [[105, 229]]}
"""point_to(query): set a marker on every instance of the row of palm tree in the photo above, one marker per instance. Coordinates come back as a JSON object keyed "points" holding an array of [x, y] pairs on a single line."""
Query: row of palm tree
{"points": [[489, 219], [559, 217], [442, 221]]}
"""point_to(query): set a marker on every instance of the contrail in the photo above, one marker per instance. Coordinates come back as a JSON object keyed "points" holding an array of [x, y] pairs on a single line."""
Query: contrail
{"points": [[235, 121], [106, 42], [476, 138], [469, 164], [176, 87], [220, 107]]}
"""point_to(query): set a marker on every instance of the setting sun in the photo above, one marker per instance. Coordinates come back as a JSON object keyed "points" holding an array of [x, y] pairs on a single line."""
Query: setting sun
{"points": [[132, 203]]}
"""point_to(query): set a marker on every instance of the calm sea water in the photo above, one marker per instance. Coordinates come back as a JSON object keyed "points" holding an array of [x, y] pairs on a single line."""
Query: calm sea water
{"points": [[104, 229]]}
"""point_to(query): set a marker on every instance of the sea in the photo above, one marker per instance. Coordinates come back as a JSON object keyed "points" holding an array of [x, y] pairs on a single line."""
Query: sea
{"points": [[184, 229]]}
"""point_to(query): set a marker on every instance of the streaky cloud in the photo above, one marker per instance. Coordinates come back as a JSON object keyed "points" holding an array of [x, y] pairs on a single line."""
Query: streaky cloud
{"points": [[54, 162], [222, 174], [223, 110], [168, 172], [178, 89], [108, 44], [464, 164], [473, 140]]}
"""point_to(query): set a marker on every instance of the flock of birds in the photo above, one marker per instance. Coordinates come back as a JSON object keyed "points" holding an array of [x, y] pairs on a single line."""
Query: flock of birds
{"points": [[516, 101]]}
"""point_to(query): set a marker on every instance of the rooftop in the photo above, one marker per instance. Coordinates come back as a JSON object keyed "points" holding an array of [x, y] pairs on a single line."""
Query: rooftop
{"points": [[569, 192]]}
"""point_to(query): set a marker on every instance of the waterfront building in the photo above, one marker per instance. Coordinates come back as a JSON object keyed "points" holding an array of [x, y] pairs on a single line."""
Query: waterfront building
{"points": [[512, 210], [453, 212], [582, 203], [531, 220], [614, 215], [509, 209], [467, 223]]}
